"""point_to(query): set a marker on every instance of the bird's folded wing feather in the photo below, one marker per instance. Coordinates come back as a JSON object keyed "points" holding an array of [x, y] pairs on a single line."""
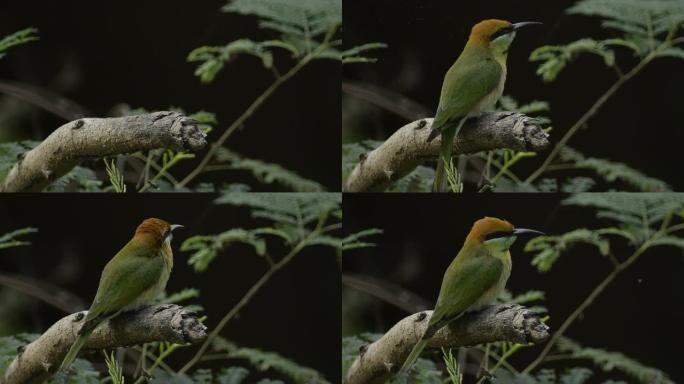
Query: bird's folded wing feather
{"points": [[466, 84], [131, 272], [469, 278]]}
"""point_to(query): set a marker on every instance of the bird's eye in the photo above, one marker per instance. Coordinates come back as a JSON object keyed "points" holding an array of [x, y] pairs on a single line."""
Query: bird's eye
{"points": [[501, 32], [498, 235]]}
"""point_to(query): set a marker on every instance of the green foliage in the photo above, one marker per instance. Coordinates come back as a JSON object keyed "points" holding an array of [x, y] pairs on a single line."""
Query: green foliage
{"points": [[453, 176], [10, 153], [80, 372], [9, 240], [213, 58], [549, 248], [292, 214], [303, 27], [635, 18], [9, 345], [352, 346], [545, 376], [300, 23], [637, 218], [555, 58], [206, 248], [115, 177], [354, 241], [609, 361], [612, 171], [265, 361], [453, 369], [113, 368], [638, 215], [419, 180], [232, 375], [353, 153], [647, 27], [78, 179], [355, 54], [268, 173], [17, 38]]}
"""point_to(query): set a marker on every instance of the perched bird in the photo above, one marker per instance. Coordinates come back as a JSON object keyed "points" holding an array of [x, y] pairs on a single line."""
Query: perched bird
{"points": [[133, 278], [473, 84], [474, 278]]}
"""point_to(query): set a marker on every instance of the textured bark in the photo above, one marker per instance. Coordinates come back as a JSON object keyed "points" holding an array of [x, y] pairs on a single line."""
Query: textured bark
{"points": [[40, 359], [407, 148], [89, 138], [507, 322]]}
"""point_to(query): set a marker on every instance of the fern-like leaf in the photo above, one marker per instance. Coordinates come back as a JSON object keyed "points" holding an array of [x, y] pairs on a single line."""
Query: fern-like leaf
{"points": [[268, 173], [265, 361], [609, 361]]}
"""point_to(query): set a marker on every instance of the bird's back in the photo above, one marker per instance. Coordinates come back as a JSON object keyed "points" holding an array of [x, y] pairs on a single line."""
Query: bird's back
{"points": [[467, 283], [473, 80]]}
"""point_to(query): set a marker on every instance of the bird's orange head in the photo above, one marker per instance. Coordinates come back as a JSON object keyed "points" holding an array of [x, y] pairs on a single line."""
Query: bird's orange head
{"points": [[487, 30], [501, 31], [157, 230], [488, 226]]}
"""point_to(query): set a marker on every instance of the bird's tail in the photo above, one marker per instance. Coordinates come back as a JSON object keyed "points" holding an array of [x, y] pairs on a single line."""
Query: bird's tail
{"points": [[73, 351], [413, 356], [448, 135], [440, 183]]}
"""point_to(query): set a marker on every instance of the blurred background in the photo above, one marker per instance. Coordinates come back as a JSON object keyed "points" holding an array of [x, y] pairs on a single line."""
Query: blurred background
{"points": [[402, 274], [95, 58], [296, 314], [639, 126]]}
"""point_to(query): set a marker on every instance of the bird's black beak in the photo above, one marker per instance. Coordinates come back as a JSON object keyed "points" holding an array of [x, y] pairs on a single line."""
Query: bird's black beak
{"points": [[176, 226], [522, 24], [525, 231]]}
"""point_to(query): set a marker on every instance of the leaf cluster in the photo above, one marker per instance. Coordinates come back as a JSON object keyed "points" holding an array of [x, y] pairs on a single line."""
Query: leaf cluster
{"points": [[265, 172], [17, 38], [648, 29], [609, 361], [304, 28]]}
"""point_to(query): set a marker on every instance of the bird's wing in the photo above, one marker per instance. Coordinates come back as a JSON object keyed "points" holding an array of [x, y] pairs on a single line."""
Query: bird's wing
{"points": [[466, 84], [465, 281], [130, 273]]}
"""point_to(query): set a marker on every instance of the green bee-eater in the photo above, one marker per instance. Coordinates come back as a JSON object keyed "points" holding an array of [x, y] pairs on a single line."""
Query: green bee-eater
{"points": [[133, 278], [474, 278], [473, 84]]}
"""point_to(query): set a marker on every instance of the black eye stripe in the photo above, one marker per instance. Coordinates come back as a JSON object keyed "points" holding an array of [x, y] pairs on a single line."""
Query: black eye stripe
{"points": [[498, 235], [501, 32]]}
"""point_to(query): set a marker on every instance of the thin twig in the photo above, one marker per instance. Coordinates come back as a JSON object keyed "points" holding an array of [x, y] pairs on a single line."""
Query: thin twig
{"points": [[243, 302], [588, 301], [251, 110], [587, 115]]}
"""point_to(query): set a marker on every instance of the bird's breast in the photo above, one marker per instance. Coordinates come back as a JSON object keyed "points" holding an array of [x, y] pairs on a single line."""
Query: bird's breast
{"points": [[489, 101]]}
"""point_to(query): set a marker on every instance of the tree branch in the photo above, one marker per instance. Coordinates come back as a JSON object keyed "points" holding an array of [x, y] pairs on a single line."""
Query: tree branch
{"points": [[40, 359], [90, 138], [408, 147], [505, 322]]}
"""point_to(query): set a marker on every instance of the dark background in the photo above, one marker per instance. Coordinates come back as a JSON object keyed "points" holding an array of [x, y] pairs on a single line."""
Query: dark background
{"points": [[639, 126], [296, 314], [101, 54], [634, 315]]}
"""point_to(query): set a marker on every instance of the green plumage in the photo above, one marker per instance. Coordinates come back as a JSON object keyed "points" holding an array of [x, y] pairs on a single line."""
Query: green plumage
{"points": [[134, 277], [471, 85], [474, 278]]}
